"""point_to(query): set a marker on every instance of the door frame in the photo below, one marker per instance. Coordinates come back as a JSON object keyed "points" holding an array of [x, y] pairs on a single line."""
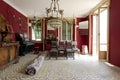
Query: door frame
{"points": [[96, 11]]}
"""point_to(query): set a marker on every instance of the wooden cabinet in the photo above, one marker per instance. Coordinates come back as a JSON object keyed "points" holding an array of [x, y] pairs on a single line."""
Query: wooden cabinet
{"points": [[8, 53], [3, 56], [8, 48]]}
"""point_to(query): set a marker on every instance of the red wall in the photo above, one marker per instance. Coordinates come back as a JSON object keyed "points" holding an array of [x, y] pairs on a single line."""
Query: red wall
{"points": [[81, 39], [14, 18], [53, 32], [17, 20], [114, 32], [39, 44]]}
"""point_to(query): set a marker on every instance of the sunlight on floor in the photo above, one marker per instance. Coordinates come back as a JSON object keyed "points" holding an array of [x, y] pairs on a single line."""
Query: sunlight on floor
{"points": [[86, 57]]}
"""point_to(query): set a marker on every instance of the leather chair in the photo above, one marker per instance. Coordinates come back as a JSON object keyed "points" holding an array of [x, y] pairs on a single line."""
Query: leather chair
{"points": [[22, 45]]}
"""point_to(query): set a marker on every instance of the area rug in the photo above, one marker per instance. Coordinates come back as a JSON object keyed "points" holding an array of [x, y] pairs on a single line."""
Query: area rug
{"points": [[61, 69]]}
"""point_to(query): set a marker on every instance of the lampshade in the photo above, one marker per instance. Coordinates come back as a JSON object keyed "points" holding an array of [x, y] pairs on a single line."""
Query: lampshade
{"points": [[54, 14], [55, 23]]}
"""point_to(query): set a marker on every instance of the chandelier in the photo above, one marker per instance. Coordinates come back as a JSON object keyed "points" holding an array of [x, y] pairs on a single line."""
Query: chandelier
{"points": [[54, 14]]}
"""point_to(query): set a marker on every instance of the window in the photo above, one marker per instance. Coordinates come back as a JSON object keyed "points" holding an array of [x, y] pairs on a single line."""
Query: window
{"points": [[69, 32], [66, 31], [37, 30]]}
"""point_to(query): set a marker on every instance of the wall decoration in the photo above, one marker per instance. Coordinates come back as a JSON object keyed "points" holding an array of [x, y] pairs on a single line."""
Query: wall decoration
{"points": [[14, 16]]}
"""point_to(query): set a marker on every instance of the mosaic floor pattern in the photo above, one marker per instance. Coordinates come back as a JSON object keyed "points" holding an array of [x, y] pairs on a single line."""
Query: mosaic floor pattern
{"points": [[82, 68]]}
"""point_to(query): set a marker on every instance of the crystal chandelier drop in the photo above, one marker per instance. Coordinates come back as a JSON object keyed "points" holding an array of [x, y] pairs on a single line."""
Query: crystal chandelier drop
{"points": [[54, 14]]}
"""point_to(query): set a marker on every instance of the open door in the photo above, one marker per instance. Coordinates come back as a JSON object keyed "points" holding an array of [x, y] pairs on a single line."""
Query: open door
{"points": [[100, 32], [103, 34]]}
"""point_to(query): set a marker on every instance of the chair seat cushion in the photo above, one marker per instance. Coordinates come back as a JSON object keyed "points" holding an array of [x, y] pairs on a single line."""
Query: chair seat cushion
{"points": [[53, 50], [60, 49]]}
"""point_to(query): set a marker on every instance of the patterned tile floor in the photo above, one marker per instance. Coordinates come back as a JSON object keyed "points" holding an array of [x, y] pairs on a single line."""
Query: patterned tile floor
{"points": [[84, 67]]}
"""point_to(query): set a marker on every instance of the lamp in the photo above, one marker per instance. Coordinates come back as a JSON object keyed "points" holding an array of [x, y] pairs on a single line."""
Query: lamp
{"points": [[55, 23], [54, 14], [54, 10]]}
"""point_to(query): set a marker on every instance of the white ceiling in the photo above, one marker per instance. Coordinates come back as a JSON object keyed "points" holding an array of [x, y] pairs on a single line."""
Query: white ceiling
{"points": [[72, 8]]}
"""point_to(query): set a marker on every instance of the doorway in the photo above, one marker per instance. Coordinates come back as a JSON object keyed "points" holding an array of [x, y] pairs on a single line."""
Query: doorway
{"points": [[103, 34], [100, 34]]}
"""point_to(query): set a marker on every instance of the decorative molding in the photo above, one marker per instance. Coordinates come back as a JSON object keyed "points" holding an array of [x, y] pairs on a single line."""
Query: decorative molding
{"points": [[99, 5]]}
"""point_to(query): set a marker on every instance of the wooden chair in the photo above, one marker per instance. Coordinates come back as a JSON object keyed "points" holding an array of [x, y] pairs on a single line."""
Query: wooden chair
{"points": [[74, 44], [61, 49], [54, 49], [69, 49]]}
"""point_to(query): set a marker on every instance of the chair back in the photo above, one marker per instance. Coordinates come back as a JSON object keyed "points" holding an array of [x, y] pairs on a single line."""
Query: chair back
{"points": [[62, 44], [69, 44], [54, 44]]}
